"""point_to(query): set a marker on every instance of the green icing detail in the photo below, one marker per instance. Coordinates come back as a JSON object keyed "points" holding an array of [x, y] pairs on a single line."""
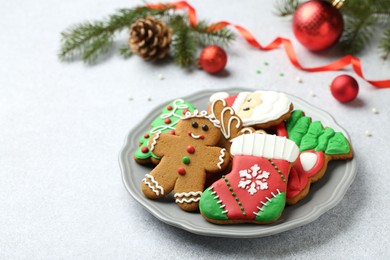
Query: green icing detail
{"points": [[158, 124], [209, 207], [310, 139], [324, 139], [295, 115], [272, 209], [338, 144], [299, 129], [312, 135]]}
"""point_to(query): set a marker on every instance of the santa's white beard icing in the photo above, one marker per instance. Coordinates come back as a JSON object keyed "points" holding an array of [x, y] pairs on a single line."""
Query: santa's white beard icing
{"points": [[257, 107]]}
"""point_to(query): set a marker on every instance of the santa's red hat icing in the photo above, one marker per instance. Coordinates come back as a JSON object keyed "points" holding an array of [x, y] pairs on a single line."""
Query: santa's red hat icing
{"points": [[256, 107]]}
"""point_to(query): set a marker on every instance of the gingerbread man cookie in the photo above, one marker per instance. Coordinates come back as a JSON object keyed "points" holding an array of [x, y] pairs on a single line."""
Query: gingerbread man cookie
{"points": [[185, 158]]}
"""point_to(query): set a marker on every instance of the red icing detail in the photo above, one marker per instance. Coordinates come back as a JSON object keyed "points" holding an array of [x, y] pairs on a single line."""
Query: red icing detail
{"points": [[299, 178], [146, 136], [250, 202], [144, 149], [169, 107], [185, 111], [201, 137], [230, 100], [171, 132], [181, 171], [167, 121], [190, 149], [281, 130]]}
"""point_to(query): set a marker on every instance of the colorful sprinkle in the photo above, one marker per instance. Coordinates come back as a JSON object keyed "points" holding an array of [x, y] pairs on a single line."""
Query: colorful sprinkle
{"points": [[312, 93], [181, 171], [149, 99], [190, 149], [145, 149], [368, 133], [186, 160], [171, 132], [185, 111], [281, 74], [146, 136], [266, 63], [258, 71], [374, 110], [161, 77], [298, 79], [169, 107], [167, 120]]}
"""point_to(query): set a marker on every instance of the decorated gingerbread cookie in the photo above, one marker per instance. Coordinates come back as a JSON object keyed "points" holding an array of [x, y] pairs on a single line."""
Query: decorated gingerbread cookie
{"points": [[185, 159], [317, 146], [165, 123], [255, 190], [259, 109]]}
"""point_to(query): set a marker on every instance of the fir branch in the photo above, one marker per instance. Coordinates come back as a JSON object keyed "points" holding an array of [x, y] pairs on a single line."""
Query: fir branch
{"points": [[184, 46], [125, 52], [286, 7], [89, 40], [204, 36], [384, 44]]}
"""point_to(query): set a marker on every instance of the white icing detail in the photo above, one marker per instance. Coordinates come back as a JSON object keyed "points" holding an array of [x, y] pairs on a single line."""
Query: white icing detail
{"points": [[278, 191], [260, 209], [176, 104], [187, 200], [195, 136], [257, 214], [216, 197], [155, 183], [246, 130], [222, 206], [214, 192], [202, 114], [273, 195], [155, 140], [218, 95], [253, 179], [151, 186], [189, 194], [219, 164], [273, 106], [263, 203], [225, 211], [265, 145], [226, 130], [219, 202], [308, 160], [268, 199]]}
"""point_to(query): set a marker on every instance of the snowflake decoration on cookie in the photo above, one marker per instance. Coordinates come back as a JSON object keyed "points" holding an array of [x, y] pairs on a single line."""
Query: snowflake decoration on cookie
{"points": [[253, 179]]}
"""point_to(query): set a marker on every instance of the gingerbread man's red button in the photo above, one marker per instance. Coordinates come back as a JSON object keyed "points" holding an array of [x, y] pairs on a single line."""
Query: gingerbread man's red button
{"points": [[190, 149], [181, 171]]}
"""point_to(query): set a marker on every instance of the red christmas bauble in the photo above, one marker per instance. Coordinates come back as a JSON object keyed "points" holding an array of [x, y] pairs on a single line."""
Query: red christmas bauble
{"points": [[344, 88], [212, 59], [317, 25]]}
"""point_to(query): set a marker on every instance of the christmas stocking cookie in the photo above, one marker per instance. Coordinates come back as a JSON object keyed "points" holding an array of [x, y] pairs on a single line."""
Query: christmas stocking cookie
{"points": [[255, 190]]}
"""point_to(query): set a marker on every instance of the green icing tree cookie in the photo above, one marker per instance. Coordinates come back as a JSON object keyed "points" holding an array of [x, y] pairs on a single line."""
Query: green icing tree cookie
{"points": [[312, 135], [165, 123]]}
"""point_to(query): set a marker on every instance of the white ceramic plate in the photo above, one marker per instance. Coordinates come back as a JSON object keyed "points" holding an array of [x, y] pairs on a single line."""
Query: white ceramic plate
{"points": [[324, 194]]}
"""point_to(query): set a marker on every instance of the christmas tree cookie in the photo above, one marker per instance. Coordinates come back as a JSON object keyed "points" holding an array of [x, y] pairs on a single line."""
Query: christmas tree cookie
{"points": [[164, 123], [255, 190], [317, 146]]}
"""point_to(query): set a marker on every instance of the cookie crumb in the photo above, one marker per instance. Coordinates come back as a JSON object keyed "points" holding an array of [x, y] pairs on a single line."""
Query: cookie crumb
{"points": [[161, 77], [298, 79], [368, 133], [374, 110]]}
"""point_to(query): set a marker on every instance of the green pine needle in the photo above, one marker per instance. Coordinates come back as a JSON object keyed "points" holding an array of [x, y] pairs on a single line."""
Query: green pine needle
{"points": [[125, 52], [184, 46], [286, 7], [205, 37], [384, 44]]}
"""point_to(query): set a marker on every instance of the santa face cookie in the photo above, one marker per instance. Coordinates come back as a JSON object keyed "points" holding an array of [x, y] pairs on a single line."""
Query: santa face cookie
{"points": [[259, 109], [185, 158], [165, 123], [255, 190]]}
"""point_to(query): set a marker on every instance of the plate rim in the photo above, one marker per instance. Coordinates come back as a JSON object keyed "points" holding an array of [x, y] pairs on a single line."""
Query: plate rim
{"points": [[315, 213]]}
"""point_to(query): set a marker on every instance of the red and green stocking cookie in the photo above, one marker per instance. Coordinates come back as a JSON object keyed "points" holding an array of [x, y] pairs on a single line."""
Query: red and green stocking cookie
{"points": [[255, 190]]}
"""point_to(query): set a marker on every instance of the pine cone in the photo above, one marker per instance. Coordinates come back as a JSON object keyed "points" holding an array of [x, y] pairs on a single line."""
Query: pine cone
{"points": [[150, 38]]}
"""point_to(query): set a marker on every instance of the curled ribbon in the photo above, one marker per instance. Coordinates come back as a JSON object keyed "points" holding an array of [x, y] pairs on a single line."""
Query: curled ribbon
{"points": [[288, 47]]}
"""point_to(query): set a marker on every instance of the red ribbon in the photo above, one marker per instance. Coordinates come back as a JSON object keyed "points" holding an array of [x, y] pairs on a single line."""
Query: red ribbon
{"points": [[288, 47]]}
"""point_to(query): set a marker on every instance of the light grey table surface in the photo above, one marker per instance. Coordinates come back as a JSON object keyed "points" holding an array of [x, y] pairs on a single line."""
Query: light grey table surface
{"points": [[63, 125]]}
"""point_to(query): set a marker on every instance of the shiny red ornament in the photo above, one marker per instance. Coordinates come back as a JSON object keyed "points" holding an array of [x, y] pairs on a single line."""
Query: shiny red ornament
{"points": [[317, 25], [212, 59], [344, 88]]}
